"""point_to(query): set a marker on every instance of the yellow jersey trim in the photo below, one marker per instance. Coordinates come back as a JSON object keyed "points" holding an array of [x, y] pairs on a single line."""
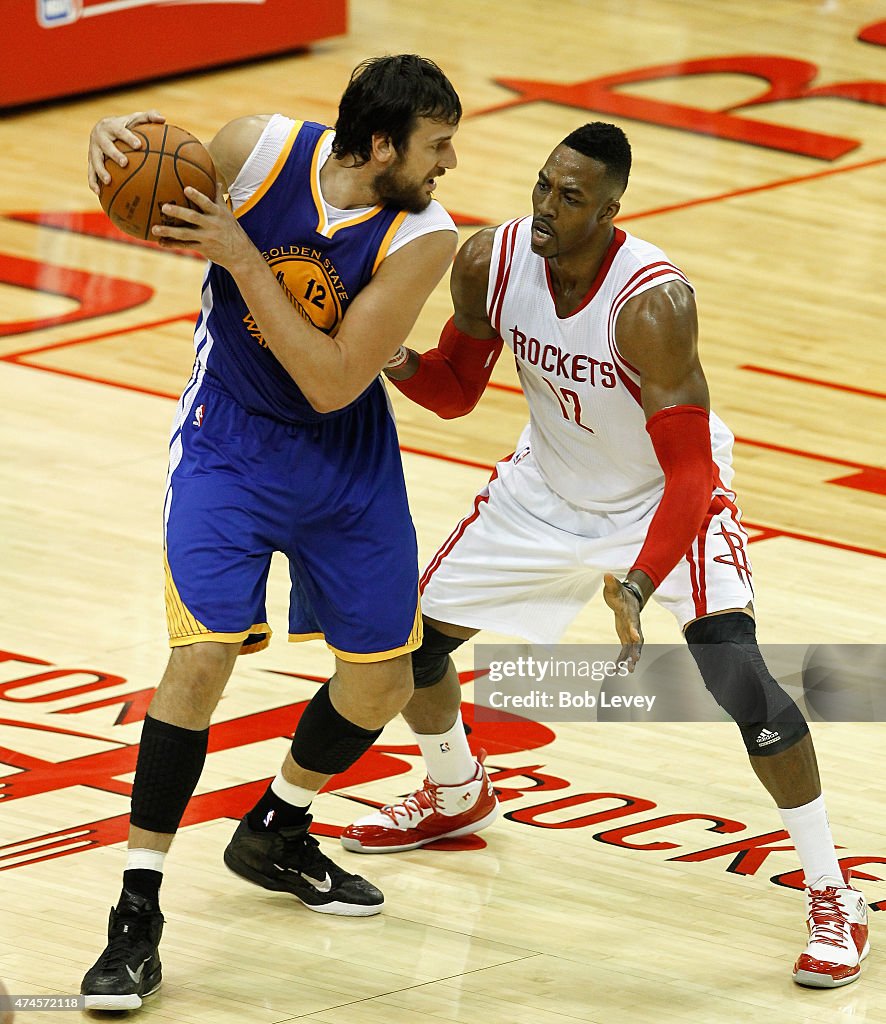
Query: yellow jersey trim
{"points": [[378, 656], [199, 638], [414, 642], [300, 638], [274, 173], [224, 638], [179, 621], [185, 629], [389, 237], [227, 638], [257, 645], [323, 226]]}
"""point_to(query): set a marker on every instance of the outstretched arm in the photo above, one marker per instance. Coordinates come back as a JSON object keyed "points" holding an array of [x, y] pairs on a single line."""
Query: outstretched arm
{"points": [[450, 378], [657, 332]]}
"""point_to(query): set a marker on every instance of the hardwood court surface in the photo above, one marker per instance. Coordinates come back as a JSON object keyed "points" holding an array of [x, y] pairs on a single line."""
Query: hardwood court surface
{"points": [[578, 906]]}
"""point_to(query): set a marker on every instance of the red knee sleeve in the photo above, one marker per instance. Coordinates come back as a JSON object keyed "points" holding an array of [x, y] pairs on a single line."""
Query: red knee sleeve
{"points": [[681, 438], [451, 377]]}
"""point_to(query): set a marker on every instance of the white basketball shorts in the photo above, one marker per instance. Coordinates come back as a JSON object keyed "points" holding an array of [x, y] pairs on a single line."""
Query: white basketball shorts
{"points": [[525, 561]]}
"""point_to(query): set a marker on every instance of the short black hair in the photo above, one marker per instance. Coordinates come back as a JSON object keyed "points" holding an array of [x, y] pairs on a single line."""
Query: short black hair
{"points": [[388, 95], [606, 143]]}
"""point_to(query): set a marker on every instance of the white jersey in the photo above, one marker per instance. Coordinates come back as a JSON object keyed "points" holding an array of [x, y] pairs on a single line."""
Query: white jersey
{"points": [[587, 426]]}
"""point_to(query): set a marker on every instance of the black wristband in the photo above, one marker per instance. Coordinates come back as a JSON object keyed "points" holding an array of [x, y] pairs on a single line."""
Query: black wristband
{"points": [[635, 590]]}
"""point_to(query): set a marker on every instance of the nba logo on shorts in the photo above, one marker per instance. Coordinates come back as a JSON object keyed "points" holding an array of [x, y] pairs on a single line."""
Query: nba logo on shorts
{"points": [[198, 415], [58, 12]]}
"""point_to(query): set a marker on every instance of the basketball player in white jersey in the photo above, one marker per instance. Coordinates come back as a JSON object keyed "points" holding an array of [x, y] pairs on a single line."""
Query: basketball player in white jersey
{"points": [[621, 478]]}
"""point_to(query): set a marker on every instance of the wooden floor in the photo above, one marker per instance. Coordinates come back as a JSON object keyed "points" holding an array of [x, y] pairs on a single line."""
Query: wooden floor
{"points": [[565, 913]]}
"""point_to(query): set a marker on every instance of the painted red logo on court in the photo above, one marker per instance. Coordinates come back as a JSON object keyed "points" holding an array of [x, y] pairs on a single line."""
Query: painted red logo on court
{"points": [[96, 762]]}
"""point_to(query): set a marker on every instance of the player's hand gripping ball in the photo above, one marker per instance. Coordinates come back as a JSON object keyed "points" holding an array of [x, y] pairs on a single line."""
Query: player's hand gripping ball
{"points": [[170, 159]]}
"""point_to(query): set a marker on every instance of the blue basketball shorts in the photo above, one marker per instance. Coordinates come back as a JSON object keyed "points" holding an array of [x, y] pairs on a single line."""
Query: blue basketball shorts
{"points": [[329, 495]]}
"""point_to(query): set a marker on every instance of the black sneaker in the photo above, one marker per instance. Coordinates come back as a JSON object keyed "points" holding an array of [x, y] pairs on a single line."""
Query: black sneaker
{"points": [[290, 861], [129, 968]]}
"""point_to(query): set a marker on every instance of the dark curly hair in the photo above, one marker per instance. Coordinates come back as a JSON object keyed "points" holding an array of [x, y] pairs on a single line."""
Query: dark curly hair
{"points": [[388, 95]]}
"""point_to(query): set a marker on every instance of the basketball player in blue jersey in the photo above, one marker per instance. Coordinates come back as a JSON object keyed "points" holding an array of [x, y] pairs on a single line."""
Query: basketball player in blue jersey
{"points": [[284, 441]]}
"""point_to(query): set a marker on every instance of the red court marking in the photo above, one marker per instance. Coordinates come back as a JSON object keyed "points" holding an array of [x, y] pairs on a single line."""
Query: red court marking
{"points": [[771, 532], [95, 225], [867, 392], [787, 79], [510, 388], [58, 730], [781, 183], [875, 33], [870, 479], [446, 458], [14, 356], [90, 379], [18, 358], [833, 459], [95, 294], [17, 759], [133, 705]]}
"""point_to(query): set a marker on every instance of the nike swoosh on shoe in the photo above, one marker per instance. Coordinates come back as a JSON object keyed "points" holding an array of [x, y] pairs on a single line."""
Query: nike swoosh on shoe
{"points": [[136, 976], [321, 885]]}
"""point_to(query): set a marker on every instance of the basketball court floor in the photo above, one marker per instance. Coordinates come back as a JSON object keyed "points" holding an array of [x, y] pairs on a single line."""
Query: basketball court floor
{"points": [[638, 873]]}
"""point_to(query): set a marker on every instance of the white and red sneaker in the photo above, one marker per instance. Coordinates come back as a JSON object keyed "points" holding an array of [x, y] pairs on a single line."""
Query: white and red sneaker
{"points": [[837, 919], [432, 812]]}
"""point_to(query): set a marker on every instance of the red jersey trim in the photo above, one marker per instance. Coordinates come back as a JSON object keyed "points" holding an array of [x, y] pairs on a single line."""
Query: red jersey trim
{"points": [[618, 238], [505, 260], [458, 532], [635, 286], [631, 386], [696, 555], [629, 285]]}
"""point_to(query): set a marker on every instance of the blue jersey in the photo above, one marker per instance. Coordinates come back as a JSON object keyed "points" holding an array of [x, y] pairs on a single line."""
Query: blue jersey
{"points": [[320, 268]]}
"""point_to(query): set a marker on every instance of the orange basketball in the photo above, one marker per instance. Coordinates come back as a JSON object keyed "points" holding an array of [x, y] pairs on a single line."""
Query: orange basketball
{"points": [[169, 160]]}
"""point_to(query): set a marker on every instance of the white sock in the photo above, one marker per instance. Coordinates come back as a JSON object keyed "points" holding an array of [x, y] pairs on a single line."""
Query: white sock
{"points": [[810, 833], [447, 755], [145, 860], [295, 795]]}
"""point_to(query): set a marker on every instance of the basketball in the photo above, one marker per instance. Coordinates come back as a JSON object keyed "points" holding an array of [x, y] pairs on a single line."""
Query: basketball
{"points": [[170, 159]]}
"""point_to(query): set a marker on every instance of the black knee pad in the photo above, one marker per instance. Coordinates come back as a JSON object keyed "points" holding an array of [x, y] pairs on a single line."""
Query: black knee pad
{"points": [[732, 667], [325, 741], [170, 760], [430, 661]]}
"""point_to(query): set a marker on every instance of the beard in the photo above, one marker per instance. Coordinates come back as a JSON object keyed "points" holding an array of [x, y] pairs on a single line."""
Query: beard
{"points": [[393, 188]]}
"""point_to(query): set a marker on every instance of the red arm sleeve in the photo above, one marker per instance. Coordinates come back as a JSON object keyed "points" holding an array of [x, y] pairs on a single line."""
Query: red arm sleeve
{"points": [[451, 377], [681, 438]]}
